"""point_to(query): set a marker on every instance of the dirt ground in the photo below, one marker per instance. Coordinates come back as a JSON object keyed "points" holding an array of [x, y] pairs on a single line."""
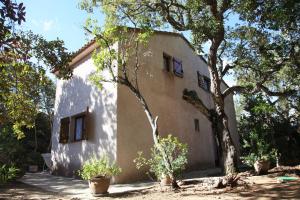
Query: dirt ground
{"points": [[254, 187]]}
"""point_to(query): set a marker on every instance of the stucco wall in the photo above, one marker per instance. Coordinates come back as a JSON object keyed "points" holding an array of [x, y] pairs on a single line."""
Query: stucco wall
{"points": [[74, 96], [163, 92]]}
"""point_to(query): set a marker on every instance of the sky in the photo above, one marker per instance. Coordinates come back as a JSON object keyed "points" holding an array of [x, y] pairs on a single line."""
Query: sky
{"points": [[64, 20], [57, 19]]}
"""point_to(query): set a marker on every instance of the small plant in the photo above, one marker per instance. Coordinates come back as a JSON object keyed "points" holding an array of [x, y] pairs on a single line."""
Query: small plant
{"points": [[8, 173], [95, 168], [174, 151]]}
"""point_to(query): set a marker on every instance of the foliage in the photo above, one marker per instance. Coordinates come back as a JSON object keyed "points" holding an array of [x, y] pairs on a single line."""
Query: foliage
{"points": [[23, 81], [99, 168], [23, 152], [258, 148], [264, 126], [176, 153], [8, 173]]}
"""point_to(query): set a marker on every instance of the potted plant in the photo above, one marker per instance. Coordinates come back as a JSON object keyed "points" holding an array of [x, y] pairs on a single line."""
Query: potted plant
{"points": [[99, 172], [168, 148], [260, 154]]}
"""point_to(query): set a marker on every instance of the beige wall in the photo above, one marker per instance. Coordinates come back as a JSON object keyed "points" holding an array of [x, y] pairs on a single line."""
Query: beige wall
{"points": [[74, 96], [163, 92]]}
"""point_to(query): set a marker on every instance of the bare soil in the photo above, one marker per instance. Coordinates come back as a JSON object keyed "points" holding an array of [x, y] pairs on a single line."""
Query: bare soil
{"points": [[251, 187]]}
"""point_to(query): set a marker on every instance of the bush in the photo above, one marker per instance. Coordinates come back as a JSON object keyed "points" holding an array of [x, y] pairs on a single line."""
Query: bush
{"points": [[98, 168], [8, 173], [257, 148], [175, 152]]}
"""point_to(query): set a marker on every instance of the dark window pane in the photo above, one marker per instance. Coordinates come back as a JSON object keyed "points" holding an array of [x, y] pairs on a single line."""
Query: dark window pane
{"points": [[79, 121]]}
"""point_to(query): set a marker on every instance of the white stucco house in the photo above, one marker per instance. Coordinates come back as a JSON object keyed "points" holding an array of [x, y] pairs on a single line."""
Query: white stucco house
{"points": [[90, 122]]}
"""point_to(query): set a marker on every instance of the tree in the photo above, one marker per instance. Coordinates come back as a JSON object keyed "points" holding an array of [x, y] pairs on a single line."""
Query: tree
{"points": [[271, 123], [24, 59], [207, 21]]}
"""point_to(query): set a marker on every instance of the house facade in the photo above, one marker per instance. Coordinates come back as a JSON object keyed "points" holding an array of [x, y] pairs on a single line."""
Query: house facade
{"points": [[89, 121]]}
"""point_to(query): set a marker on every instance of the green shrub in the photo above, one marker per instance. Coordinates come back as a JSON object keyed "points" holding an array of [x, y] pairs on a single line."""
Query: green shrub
{"points": [[8, 173], [257, 148], [98, 168], [174, 151]]}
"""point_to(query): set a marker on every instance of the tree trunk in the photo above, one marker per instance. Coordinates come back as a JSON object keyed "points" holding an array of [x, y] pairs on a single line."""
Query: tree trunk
{"points": [[155, 133], [229, 154]]}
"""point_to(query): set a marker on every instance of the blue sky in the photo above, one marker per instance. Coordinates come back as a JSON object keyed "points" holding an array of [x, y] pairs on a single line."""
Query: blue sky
{"points": [[57, 18]]}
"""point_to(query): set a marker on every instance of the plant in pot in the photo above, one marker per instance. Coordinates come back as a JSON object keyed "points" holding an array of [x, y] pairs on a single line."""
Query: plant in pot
{"points": [[259, 153], [99, 172], [174, 151]]}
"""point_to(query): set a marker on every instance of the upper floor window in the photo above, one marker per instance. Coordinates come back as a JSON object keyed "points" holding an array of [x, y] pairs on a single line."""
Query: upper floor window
{"points": [[167, 62], [177, 67], [203, 81]]}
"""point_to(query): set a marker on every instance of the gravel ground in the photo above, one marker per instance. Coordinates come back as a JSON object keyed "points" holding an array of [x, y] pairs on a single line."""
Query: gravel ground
{"points": [[257, 187]]}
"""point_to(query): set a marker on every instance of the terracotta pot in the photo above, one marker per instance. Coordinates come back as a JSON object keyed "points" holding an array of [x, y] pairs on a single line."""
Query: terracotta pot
{"points": [[99, 185], [165, 180], [33, 168], [262, 166]]}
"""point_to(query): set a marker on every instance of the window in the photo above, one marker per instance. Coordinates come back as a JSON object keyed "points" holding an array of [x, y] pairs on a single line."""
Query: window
{"points": [[167, 62], [64, 130], [177, 67], [73, 128], [203, 81], [79, 128], [197, 128], [206, 82]]}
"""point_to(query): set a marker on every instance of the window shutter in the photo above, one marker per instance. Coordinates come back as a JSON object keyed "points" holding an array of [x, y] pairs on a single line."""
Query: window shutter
{"points": [[200, 80], [84, 130], [177, 67], [64, 130]]}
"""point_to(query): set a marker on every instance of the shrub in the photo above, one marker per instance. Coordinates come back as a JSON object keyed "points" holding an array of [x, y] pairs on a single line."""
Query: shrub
{"points": [[8, 173], [174, 151], [258, 149], [99, 168]]}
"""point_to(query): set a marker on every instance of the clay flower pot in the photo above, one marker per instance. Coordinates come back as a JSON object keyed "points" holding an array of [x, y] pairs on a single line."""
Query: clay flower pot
{"points": [[165, 180], [262, 166], [99, 185]]}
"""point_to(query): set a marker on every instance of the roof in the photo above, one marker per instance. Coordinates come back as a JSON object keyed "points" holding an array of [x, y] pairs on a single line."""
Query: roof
{"points": [[93, 41]]}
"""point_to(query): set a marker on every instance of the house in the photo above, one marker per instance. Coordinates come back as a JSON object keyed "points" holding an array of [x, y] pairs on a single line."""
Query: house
{"points": [[90, 122]]}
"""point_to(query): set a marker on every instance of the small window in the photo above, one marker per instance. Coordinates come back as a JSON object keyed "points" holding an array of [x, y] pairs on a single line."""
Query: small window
{"points": [[64, 130], [197, 128], [177, 67], [203, 81], [206, 82], [79, 128], [167, 62]]}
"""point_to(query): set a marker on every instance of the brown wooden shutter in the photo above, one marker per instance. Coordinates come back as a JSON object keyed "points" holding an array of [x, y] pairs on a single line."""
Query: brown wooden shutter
{"points": [[64, 130], [85, 122]]}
